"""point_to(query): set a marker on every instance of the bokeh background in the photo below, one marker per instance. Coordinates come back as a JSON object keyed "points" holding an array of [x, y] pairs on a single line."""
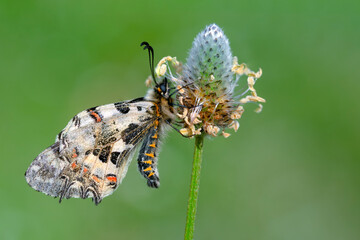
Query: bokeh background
{"points": [[291, 172]]}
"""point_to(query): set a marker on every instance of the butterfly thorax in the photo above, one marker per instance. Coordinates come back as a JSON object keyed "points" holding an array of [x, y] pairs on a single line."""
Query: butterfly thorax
{"points": [[164, 102]]}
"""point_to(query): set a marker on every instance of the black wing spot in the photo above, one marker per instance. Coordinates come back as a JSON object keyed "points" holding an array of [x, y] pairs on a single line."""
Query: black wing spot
{"points": [[114, 157], [76, 121], [104, 155], [96, 152], [122, 107]]}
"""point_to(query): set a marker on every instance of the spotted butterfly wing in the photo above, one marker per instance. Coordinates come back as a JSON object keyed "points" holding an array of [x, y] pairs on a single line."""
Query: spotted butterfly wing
{"points": [[91, 155]]}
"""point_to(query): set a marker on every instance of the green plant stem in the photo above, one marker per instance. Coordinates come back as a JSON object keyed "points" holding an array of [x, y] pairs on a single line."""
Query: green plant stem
{"points": [[194, 188]]}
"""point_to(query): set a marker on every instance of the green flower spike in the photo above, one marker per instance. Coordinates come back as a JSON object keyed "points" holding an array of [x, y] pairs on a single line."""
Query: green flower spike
{"points": [[208, 82]]}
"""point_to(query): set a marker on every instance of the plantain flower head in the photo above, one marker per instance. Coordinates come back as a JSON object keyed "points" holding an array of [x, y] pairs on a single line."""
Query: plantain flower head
{"points": [[206, 85]]}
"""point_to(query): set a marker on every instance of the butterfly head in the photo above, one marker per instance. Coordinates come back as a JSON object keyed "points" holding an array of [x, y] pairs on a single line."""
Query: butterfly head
{"points": [[162, 88]]}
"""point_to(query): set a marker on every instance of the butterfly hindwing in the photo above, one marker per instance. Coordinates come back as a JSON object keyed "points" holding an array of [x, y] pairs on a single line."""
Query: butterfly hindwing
{"points": [[44, 170]]}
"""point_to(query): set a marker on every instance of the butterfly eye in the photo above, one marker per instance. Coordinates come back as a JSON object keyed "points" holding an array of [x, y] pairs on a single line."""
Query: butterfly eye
{"points": [[163, 88]]}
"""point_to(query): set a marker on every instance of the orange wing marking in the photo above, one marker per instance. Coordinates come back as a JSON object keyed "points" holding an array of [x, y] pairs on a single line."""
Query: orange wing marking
{"points": [[96, 179], [111, 179], [74, 153], [95, 115], [73, 165]]}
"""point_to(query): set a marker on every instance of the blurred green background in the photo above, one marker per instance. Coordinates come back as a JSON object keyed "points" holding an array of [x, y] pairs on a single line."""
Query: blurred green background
{"points": [[291, 172]]}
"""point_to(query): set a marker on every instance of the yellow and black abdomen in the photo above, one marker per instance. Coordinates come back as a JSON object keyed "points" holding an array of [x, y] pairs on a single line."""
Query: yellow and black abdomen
{"points": [[147, 160]]}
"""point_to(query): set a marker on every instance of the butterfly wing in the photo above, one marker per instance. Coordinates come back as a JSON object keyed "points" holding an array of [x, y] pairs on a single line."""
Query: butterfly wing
{"points": [[44, 170], [91, 155]]}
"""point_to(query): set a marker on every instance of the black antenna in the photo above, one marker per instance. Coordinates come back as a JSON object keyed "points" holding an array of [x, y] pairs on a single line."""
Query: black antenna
{"points": [[151, 58]]}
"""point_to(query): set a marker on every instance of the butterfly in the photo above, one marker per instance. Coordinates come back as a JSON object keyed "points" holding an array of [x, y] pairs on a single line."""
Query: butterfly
{"points": [[91, 155]]}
